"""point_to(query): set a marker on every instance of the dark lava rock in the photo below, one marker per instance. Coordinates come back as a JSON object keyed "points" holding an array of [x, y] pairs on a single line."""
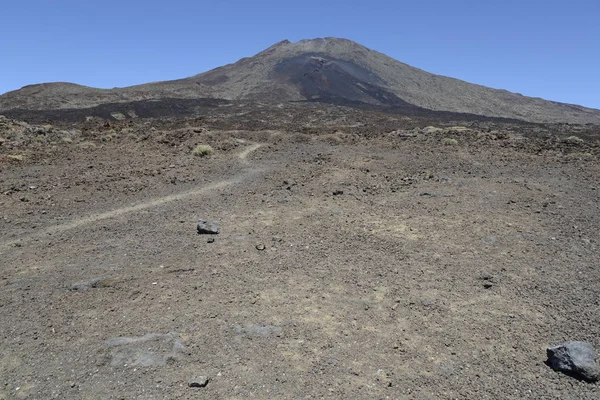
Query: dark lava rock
{"points": [[207, 227], [576, 359], [197, 382]]}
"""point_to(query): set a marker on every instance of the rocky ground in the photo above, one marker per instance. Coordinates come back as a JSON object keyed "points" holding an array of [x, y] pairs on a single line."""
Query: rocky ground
{"points": [[359, 255]]}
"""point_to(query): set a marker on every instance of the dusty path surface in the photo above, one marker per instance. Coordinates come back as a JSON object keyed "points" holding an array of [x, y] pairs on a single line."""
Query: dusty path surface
{"points": [[244, 154], [144, 205], [351, 266]]}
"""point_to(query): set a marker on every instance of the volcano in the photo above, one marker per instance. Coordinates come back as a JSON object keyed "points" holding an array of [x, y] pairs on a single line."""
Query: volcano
{"points": [[317, 70]]}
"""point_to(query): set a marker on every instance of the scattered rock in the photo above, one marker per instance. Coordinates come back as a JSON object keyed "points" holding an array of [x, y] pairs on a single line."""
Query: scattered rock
{"points": [[207, 227], [488, 281], [576, 359], [338, 192], [210, 240], [260, 247], [198, 382]]}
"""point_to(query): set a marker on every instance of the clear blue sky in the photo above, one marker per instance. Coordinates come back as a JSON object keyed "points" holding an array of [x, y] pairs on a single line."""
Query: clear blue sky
{"points": [[548, 49]]}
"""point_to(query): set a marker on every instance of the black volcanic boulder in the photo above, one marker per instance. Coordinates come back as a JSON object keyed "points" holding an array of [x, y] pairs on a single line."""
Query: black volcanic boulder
{"points": [[577, 359], [207, 227]]}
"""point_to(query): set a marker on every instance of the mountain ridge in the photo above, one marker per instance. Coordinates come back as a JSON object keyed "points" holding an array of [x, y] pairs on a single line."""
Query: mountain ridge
{"points": [[324, 69]]}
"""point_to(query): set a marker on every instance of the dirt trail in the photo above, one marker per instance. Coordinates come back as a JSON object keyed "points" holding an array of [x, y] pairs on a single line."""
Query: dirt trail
{"points": [[243, 155]]}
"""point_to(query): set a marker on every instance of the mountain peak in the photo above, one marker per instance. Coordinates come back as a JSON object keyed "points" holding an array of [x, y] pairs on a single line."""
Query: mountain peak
{"points": [[274, 47]]}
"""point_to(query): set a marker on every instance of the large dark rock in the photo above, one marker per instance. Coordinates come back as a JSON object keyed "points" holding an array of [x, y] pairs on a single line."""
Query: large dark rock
{"points": [[207, 227], [577, 359]]}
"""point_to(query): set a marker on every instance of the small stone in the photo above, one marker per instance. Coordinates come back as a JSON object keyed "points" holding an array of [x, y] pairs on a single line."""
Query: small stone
{"points": [[210, 240], [576, 359], [260, 247], [338, 192], [198, 382], [488, 281], [207, 227]]}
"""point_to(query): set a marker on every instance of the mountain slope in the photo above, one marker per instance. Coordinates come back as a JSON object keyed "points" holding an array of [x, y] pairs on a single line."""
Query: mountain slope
{"points": [[327, 69]]}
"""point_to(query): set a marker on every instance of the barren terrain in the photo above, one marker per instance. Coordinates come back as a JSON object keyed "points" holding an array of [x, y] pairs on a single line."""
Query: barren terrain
{"points": [[361, 255]]}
